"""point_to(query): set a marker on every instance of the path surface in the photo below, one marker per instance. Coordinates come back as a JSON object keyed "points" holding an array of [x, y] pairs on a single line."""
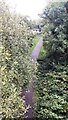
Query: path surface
{"points": [[36, 50], [29, 93]]}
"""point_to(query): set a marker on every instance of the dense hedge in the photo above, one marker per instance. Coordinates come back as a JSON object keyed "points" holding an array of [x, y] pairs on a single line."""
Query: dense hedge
{"points": [[16, 67], [52, 93], [51, 86]]}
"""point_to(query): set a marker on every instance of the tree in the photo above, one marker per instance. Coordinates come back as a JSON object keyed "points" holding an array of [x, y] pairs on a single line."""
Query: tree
{"points": [[52, 71], [56, 30]]}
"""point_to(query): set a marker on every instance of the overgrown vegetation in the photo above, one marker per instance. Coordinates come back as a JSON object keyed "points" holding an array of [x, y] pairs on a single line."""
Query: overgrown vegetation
{"points": [[16, 67], [51, 86], [16, 44]]}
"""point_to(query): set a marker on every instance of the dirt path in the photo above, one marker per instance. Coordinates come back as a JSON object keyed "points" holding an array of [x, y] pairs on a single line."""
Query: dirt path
{"points": [[29, 93]]}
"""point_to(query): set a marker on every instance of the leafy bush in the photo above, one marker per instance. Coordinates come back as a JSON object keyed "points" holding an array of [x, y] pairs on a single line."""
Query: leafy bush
{"points": [[51, 86], [16, 67], [51, 89]]}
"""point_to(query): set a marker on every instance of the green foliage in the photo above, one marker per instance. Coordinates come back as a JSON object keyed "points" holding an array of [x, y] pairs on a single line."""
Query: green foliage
{"points": [[51, 85], [55, 32], [52, 93], [16, 67]]}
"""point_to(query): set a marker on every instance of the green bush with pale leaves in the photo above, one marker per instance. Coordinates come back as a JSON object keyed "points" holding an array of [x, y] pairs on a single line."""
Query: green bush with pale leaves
{"points": [[16, 67]]}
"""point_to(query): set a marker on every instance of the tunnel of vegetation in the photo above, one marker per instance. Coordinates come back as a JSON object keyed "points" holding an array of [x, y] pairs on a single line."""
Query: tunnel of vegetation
{"points": [[51, 101]]}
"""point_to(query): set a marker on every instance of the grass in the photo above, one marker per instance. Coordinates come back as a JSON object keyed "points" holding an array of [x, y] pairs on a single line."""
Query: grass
{"points": [[35, 41], [42, 51]]}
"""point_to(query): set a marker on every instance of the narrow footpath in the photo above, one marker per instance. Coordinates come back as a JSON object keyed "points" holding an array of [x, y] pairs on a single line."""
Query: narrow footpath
{"points": [[29, 93], [36, 50]]}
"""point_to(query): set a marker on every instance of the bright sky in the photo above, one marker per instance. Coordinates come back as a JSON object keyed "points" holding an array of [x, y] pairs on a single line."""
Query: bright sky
{"points": [[28, 7]]}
